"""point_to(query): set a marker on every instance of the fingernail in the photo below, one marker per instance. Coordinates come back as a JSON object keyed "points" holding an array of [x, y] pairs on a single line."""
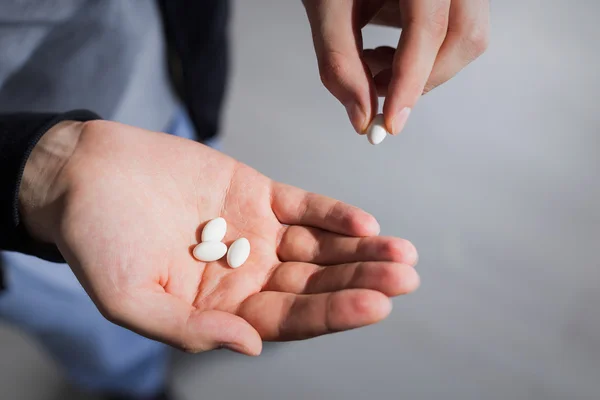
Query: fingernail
{"points": [[235, 347], [375, 227], [357, 117], [400, 120]]}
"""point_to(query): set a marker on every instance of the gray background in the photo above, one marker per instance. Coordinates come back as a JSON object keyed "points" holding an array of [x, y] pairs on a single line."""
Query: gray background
{"points": [[495, 180]]}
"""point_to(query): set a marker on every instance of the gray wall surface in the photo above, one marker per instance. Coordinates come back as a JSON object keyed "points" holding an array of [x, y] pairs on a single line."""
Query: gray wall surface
{"points": [[496, 180]]}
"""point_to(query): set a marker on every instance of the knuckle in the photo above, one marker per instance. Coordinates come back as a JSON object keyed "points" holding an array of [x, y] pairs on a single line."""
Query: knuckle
{"points": [[332, 69], [476, 39], [284, 243], [434, 23], [186, 343], [473, 35], [437, 23]]}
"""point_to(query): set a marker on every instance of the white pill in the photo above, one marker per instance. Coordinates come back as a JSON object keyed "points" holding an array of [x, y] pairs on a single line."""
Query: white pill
{"points": [[214, 230], [376, 131], [238, 252], [210, 251]]}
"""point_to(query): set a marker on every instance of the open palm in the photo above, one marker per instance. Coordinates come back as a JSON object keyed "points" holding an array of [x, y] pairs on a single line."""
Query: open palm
{"points": [[133, 211]]}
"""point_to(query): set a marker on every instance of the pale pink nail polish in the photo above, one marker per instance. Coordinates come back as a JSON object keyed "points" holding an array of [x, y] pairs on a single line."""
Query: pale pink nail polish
{"points": [[400, 120]]}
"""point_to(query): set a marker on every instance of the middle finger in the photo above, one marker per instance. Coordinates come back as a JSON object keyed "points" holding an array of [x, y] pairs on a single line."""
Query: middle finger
{"points": [[312, 245]]}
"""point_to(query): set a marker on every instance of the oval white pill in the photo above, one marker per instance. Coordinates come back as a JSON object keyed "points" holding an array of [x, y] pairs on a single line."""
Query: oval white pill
{"points": [[210, 251], [376, 131], [238, 252], [214, 230]]}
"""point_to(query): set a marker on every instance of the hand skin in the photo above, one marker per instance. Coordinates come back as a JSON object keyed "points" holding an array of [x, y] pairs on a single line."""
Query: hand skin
{"points": [[125, 207], [439, 38]]}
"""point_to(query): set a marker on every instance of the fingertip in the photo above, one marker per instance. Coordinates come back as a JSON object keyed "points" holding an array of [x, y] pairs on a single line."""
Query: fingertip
{"points": [[251, 347], [388, 115], [242, 349], [372, 226], [259, 348], [399, 120], [390, 307], [384, 307], [213, 329], [391, 279], [411, 255], [363, 106], [414, 283], [253, 343], [371, 307], [395, 121], [358, 118], [363, 224], [399, 250], [405, 280]]}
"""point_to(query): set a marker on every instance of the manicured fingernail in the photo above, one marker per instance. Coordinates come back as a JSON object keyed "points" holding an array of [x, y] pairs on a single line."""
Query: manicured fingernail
{"points": [[357, 117], [400, 120]]}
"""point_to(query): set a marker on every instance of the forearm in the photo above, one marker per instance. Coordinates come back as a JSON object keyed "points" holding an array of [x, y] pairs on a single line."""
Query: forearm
{"points": [[20, 134]]}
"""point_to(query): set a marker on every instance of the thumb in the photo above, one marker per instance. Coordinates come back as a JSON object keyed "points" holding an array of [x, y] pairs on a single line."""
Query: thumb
{"points": [[168, 319], [338, 46], [212, 329]]}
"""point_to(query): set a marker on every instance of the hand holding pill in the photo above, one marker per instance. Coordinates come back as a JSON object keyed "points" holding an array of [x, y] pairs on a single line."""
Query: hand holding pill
{"points": [[282, 264], [376, 131], [438, 39]]}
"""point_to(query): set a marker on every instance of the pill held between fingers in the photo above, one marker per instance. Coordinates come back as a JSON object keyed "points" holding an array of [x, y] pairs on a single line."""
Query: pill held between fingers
{"points": [[209, 251], [214, 230], [238, 252], [376, 131]]}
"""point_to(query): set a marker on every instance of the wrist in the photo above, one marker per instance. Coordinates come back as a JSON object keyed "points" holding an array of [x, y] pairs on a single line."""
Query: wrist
{"points": [[42, 185]]}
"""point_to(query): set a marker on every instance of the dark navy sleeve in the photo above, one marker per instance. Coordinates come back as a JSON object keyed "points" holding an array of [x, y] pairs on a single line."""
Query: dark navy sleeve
{"points": [[19, 133]]}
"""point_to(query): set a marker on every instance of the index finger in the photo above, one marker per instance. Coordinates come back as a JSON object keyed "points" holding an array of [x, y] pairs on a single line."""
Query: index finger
{"points": [[338, 46], [425, 24], [294, 206]]}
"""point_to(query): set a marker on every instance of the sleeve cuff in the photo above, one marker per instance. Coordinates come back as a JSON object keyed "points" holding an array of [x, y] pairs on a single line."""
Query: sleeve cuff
{"points": [[19, 133]]}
